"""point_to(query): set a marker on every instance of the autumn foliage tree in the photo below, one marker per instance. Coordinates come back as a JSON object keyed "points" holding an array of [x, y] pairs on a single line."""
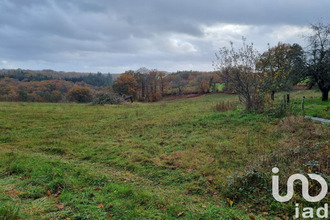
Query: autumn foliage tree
{"points": [[153, 86], [80, 94], [143, 84], [276, 67], [203, 85], [126, 84]]}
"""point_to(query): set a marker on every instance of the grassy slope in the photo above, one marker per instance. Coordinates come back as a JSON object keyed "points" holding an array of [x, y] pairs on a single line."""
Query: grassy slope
{"points": [[153, 160]]}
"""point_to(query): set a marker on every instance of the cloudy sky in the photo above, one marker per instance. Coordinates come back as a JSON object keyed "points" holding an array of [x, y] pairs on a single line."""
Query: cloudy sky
{"points": [[118, 35]]}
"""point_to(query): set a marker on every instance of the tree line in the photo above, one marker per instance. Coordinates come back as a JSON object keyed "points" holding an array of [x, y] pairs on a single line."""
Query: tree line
{"points": [[141, 85], [97, 79], [152, 85]]}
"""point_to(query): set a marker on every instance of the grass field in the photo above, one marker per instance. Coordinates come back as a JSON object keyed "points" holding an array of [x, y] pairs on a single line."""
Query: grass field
{"points": [[161, 160]]}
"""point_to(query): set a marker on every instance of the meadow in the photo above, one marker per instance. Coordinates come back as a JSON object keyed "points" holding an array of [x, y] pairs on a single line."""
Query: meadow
{"points": [[164, 160]]}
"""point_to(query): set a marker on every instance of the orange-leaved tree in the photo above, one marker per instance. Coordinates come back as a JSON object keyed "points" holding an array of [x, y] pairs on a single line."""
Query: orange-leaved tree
{"points": [[126, 84]]}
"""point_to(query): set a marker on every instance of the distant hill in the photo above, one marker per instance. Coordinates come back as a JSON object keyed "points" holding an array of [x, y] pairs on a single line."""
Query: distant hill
{"points": [[93, 79], [46, 72]]}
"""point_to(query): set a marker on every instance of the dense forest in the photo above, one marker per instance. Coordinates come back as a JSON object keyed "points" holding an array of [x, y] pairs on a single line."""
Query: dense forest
{"points": [[47, 85]]}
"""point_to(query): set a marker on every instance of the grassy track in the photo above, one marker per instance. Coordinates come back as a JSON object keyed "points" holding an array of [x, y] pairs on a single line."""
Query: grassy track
{"points": [[160, 160]]}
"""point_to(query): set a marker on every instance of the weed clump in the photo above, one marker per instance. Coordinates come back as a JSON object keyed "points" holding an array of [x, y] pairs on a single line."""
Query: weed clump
{"points": [[225, 106]]}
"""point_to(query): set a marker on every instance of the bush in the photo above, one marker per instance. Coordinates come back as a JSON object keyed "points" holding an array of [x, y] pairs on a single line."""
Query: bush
{"points": [[80, 94], [244, 187], [107, 98]]}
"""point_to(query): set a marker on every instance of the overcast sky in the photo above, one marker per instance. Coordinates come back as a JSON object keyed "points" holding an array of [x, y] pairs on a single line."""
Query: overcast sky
{"points": [[118, 35]]}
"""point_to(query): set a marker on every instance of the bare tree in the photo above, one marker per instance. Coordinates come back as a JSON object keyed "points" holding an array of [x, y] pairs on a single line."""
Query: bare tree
{"points": [[238, 67], [179, 83], [318, 57]]}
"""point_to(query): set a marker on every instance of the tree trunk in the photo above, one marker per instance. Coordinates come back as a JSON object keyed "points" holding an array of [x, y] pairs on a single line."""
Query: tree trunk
{"points": [[142, 90], [325, 94], [273, 95], [248, 104]]}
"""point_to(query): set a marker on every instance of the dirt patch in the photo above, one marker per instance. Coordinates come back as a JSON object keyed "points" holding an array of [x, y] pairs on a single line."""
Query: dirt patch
{"points": [[300, 87], [184, 96], [228, 92], [11, 191]]}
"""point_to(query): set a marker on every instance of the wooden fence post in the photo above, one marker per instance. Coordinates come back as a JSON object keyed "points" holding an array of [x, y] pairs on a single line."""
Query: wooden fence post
{"points": [[303, 107]]}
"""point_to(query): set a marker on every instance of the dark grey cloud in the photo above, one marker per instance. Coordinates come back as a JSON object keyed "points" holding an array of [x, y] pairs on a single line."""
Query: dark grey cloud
{"points": [[116, 35]]}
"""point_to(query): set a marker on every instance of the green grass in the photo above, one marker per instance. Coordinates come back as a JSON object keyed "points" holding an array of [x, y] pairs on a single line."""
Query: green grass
{"points": [[160, 160], [318, 108], [219, 87], [314, 106]]}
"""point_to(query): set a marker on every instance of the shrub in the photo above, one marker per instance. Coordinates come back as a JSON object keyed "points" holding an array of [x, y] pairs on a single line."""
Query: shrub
{"points": [[238, 68], [107, 98], [243, 187], [80, 94]]}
